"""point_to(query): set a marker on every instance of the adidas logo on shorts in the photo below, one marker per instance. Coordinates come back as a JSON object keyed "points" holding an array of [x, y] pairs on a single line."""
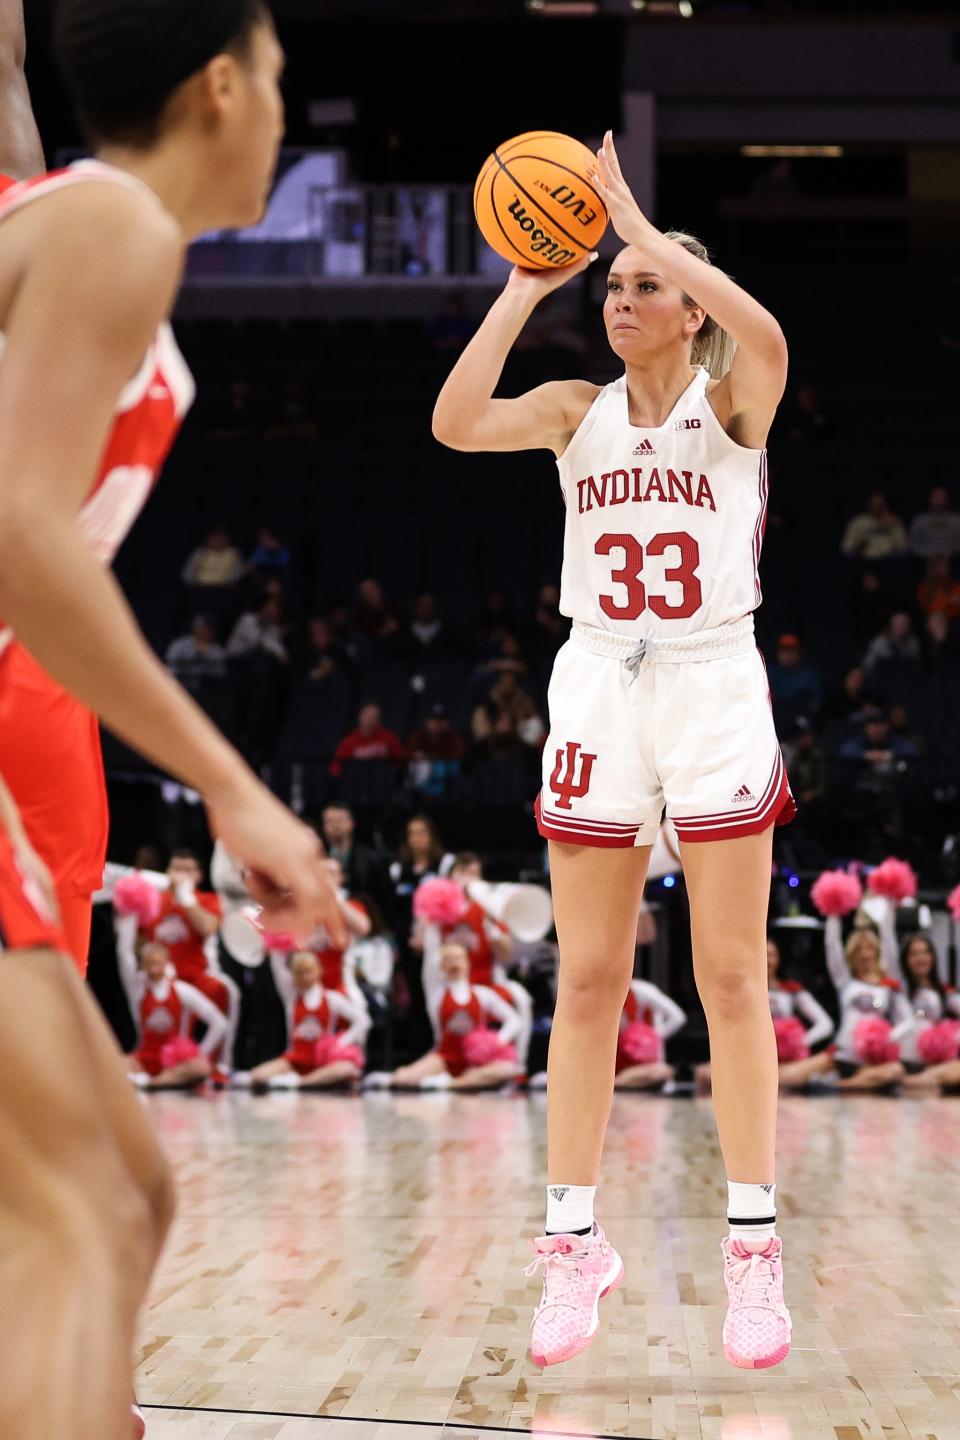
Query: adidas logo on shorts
{"points": [[644, 448], [743, 797]]}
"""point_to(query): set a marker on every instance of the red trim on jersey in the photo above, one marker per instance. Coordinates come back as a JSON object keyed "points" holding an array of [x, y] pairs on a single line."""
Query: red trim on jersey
{"points": [[777, 808], [761, 526], [584, 832]]}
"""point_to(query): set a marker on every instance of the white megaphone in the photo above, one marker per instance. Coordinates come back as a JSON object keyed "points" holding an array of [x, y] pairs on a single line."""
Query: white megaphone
{"points": [[242, 933], [526, 910]]}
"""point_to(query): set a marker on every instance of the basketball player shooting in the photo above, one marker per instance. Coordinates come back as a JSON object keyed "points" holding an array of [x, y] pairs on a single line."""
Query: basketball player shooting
{"points": [[658, 700]]}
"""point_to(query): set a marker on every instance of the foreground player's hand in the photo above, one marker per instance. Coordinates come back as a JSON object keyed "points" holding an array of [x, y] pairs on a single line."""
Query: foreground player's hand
{"points": [[537, 283], [625, 214], [38, 883], [284, 860]]}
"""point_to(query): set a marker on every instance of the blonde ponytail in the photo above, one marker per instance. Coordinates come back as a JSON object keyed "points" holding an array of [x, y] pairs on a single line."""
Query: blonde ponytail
{"points": [[712, 347]]}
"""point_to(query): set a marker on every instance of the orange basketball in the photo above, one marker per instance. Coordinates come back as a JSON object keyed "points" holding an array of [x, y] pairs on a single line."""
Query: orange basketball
{"points": [[537, 203]]}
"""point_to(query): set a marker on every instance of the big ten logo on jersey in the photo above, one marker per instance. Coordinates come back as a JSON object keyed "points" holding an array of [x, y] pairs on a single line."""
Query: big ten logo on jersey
{"points": [[577, 206], [690, 423], [571, 775]]}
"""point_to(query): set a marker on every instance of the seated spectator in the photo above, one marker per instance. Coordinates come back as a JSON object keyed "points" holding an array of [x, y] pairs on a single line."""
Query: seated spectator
{"points": [[806, 416], [901, 728], [507, 724], [508, 660], [373, 618], [897, 642], [877, 745], [217, 562], [427, 633], [941, 638], [452, 329], [197, 658], [371, 740], [549, 629], [261, 631], [321, 655], [795, 686], [876, 533], [363, 869], [939, 591], [805, 763], [270, 556], [851, 700], [436, 754], [937, 530]]}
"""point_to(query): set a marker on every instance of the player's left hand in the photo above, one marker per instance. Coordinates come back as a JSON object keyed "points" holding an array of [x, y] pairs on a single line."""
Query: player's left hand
{"points": [[625, 214], [37, 881]]}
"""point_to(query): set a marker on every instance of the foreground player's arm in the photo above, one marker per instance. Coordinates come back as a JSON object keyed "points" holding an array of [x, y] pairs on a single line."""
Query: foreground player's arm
{"points": [[21, 153], [747, 397], [821, 1026], [98, 278], [466, 416]]}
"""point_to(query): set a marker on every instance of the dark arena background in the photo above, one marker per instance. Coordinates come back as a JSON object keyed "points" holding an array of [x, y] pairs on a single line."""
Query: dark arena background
{"points": [[372, 618]]}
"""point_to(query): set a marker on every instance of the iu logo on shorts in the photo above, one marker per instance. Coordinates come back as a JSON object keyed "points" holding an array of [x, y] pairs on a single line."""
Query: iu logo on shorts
{"points": [[564, 782]]}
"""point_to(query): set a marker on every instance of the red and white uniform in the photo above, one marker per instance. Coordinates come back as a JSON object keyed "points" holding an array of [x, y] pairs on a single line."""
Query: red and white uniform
{"points": [[859, 1000], [660, 697], [338, 970], [172, 928], [647, 1004], [25, 921], [167, 1009], [313, 1014], [789, 998], [49, 742], [458, 1009], [925, 1004]]}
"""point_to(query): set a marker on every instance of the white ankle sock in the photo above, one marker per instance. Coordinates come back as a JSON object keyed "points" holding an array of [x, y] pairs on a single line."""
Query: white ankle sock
{"points": [[752, 1210], [569, 1209]]}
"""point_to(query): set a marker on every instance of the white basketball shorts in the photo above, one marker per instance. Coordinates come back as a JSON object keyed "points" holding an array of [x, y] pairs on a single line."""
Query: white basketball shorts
{"points": [[684, 725]]}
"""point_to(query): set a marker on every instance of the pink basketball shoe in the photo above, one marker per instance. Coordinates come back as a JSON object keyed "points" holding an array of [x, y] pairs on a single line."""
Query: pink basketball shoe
{"points": [[139, 1424], [578, 1270], [756, 1332]]}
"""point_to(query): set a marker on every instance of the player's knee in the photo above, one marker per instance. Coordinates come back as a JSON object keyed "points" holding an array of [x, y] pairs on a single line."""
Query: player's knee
{"points": [[589, 987], [731, 983]]}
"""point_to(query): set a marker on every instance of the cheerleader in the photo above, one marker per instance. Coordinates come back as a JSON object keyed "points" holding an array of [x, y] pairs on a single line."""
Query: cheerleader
{"points": [[165, 1008], [649, 1019], [338, 966], [929, 1051], [861, 973], [326, 1031], [467, 1054]]}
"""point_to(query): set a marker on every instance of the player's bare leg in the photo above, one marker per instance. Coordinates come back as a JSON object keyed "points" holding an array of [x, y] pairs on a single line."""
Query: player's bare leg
{"points": [[596, 899], [84, 1201]]}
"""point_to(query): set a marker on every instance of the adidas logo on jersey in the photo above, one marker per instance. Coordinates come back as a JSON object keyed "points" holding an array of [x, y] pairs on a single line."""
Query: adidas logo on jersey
{"points": [[743, 797], [644, 448]]}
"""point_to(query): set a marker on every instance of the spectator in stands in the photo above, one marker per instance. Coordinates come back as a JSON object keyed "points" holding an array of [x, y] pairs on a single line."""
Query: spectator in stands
{"points": [[902, 729], [549, 629], [363, 869], [427, 633], [373, 618], [851, 700], [805, 763], [322, 656], [421, 856], [452, 329], [937, 530], [941, 639], [876, 533], [217, 562], [436, 754], [507, 660], [807, 419], [370, 740], [877, 746], [507, 725], [261, 631], [197, 658], [270, 556], [795, 686], [939, 591], [896, 642]]}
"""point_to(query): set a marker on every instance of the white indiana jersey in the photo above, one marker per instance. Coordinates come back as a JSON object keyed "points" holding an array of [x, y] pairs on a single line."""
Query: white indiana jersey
{"points": [[664, 523]]}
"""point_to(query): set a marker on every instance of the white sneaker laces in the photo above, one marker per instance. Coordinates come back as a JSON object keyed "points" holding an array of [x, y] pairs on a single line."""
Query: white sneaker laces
{"points": [[561, 1277], [753, 1280]]}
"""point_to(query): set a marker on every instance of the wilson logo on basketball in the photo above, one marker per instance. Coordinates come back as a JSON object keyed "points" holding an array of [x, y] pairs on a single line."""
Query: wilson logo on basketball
{"points": [[564, 782], [538, 241]]}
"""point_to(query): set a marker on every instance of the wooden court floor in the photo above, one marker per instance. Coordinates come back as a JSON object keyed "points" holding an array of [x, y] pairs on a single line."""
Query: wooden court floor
{"points": [[352, 1269]]}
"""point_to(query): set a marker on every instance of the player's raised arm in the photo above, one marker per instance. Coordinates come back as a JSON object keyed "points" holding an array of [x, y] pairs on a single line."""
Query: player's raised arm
{"points": [[467, 417], [99, 282], [21, 153]]}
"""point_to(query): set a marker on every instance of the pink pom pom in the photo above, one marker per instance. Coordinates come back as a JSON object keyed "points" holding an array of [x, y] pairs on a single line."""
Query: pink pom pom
{"points": [[791, 1039], [133, 895], [329, 1051], [836, 892], [483, 1047], [953, 903], [940, 1043], [894, 878], [279, 940], [640, 1044], [178, 1051], [441, 902], [871, 1041]]}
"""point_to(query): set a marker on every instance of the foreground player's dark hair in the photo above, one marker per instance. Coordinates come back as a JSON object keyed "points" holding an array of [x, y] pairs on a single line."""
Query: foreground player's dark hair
{"points": [[123, 59]]}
